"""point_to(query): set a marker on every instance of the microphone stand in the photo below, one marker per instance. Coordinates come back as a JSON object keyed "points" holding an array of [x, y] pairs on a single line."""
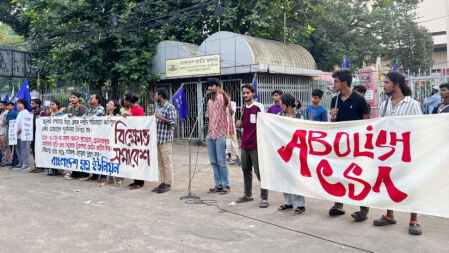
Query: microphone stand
{"points": [[191, 195]]}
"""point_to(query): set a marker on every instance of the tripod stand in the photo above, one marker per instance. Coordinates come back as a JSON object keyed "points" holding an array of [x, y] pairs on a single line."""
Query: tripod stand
{"points": [[190, 195]]}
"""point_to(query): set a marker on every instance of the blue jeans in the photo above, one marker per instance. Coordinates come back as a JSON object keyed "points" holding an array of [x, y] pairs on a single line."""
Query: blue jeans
{"points": [[216, 148]]}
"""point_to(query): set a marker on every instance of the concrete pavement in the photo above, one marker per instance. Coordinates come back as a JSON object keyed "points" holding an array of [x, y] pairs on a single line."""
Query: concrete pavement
{"points": [[40, 213]]}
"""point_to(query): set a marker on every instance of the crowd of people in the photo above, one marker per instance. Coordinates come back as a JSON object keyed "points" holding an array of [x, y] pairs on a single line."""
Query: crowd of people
{"points": [[221, 137], [17, 157], [348, 105]]}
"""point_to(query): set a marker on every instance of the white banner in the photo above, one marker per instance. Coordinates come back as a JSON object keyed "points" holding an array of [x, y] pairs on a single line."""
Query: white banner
{"points": [[116, 146], [12, 132], [398, 163], [27, 127]]}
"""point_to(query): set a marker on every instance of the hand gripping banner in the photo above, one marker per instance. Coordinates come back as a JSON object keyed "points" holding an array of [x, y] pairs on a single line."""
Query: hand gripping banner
{"points": [[398, 163]]}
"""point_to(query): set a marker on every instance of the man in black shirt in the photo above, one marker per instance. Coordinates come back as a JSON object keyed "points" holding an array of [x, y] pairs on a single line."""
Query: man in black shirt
{"points": [[346, 106]]}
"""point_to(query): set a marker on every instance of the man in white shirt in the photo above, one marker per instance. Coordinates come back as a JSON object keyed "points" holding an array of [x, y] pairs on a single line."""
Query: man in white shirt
{"points": [[23, 147], [399, 104]]}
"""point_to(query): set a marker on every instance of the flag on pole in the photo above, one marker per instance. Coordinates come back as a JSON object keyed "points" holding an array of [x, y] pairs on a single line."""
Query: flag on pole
{"points": [[24, 93], [345, 63], [6, 98], [180, 102], [396, 66], [256, 97]]}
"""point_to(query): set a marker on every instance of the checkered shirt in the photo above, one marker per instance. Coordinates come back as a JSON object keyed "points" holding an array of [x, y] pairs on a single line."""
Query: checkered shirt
{"points": [[98, 111], [164, 131]]}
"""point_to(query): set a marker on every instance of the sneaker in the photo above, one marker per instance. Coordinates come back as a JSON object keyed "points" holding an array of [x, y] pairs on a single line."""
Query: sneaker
{"points": [[5, 164], [228, 159], [25, 168], [238, 161]]}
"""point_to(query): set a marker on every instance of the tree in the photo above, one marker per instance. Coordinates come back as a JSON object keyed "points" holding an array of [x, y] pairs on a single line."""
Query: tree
{"points": [[403, 38]]}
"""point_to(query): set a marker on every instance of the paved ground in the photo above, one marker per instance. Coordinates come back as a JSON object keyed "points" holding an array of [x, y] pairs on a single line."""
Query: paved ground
{"points": [[39, 213]]}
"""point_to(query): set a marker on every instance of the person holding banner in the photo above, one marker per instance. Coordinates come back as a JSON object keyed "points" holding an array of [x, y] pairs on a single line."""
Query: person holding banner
{"points": [[55, 111], [166, 122], [290, 108], [4, 147], [36, 108], [443, 107], [216, 135], [113, 107], [12, 115], [249, 154], [95, 110], [347, 106], [23, 146], [399, 104], [130, 101], [77, 109]]}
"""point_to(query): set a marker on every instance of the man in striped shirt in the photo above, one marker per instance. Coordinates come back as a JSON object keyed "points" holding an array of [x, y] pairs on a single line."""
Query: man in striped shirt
{"points": [[399, 104]]}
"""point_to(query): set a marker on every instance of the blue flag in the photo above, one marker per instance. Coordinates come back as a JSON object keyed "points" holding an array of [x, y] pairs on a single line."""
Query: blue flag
{"points": [[6, 98], [180, 102], [396, 66], [1, 96], [345, 63], [24, 93], [256, 97]]}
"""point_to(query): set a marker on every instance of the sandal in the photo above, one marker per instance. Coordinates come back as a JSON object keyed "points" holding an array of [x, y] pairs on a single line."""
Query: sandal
{"points": [[299, 210], [225, 190], [263, 203], [359, 216], [215, 190], [285, 207], [158, 187], [384, 220], [414, 228], [163, 189], [244, 199]]}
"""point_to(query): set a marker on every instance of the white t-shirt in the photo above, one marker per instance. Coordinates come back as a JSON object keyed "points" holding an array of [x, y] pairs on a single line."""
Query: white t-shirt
{"points": [[19, 120]]}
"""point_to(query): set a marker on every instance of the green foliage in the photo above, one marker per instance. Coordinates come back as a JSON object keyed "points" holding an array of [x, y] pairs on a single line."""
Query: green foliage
{"points": [[109, 44], [351, 27]]}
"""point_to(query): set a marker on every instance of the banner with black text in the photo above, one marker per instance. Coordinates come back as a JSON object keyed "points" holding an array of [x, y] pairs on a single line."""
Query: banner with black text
{"points": [[115, 146]]}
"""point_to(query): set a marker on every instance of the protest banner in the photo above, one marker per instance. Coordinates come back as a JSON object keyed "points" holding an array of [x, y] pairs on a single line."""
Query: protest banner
{"points": [[397, 163], [115, 146], [12, 132], [27, 127]]}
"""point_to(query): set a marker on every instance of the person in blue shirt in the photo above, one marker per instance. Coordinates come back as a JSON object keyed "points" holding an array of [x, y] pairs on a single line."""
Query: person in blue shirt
{"points": [[432, 101], [316, 111], [12, 115]]}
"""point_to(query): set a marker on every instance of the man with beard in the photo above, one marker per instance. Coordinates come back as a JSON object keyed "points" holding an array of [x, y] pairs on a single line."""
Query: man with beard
{"points": [[216, 135], [399, 104], [249, 145], [443, 107]]}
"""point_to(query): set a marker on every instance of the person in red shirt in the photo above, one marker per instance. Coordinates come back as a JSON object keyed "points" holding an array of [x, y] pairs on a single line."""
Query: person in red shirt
{"points": [[249, 145], [130, 101]]}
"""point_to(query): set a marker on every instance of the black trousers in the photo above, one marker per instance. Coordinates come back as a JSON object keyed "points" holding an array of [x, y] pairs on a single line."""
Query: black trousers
{"points": [[249, 160]]}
